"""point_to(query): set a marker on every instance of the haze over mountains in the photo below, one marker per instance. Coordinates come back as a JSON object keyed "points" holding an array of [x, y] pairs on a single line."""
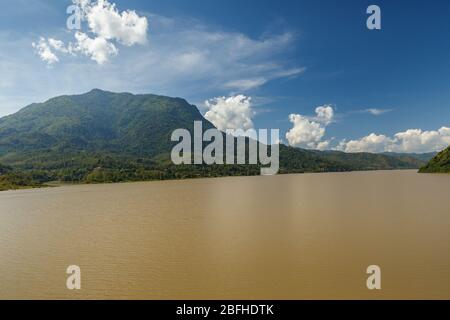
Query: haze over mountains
{"points": [[103, 136]]}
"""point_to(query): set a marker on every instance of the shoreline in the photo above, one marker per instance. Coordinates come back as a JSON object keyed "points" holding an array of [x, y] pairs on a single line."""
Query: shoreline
{"points": [[58, 184]]}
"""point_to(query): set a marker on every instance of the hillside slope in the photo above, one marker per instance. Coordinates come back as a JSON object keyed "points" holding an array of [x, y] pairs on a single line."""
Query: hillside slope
{"points": [[98, 121], [372, 161], [103, 136], [439, 164]]}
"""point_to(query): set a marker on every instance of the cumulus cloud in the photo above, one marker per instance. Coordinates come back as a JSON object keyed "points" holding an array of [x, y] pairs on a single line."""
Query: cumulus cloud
{"points": [[323, 145], [45, 52], [183, 53], [105, 20], [416, 140], [409, 141], [372, 143], [98, 49], [325, 114], [307, 131], [106, 24], [304, 131], [183, 57], [57, 45], [233, 112]]}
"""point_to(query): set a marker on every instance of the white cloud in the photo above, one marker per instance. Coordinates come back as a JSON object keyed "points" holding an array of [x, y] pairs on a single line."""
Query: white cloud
{"points": [[416, 140], [183, 50], [230, 113], [304, 131], [189, 59], [307, 131], [105, 21], [58, 45], [246, 84], [183, 57], [45, 52], [325, 114], [183, 54], [371, 143], [106, 24], [98, 49], [323, 145], [377, 112], [412, 140], [251, 83]]}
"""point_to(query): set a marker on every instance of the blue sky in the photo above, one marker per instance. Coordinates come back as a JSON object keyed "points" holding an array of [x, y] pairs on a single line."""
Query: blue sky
{"points": [[388, 89]]}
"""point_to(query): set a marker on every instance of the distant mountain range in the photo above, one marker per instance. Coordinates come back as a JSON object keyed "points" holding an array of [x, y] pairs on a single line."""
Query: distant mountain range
{"points": [[423, 157], [106, 137], [439, 164]]}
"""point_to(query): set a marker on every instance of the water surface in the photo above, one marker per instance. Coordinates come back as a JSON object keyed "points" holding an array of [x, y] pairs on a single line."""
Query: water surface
{"points": [[281, 237]]}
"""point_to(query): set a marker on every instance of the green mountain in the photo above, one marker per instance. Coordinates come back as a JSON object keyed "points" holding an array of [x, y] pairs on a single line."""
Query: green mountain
{"points": [[371, 161], [422, 157], [108, 137], [439, 164], [98, 121]]}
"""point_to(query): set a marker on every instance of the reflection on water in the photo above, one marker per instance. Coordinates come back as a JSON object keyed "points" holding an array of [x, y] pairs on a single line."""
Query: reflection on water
{"points": [[281, 237]]}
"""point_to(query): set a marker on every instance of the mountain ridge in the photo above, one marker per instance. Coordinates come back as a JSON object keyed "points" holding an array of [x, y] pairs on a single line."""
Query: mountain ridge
{"points": [[102, 136], [98, 121]]}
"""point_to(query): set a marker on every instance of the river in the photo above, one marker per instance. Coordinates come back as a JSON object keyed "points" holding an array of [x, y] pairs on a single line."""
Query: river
{"points": [[304, 236]]}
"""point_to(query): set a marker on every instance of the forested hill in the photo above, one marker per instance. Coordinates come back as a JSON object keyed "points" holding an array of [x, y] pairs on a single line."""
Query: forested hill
{"points": [[103, 136], [98, 121], [439, 164]]}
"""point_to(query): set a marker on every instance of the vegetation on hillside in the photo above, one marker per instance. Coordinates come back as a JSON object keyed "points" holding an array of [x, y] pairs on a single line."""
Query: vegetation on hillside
{"points": [[371, 161], [439, 164], [100, 122], [112, 137]]}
